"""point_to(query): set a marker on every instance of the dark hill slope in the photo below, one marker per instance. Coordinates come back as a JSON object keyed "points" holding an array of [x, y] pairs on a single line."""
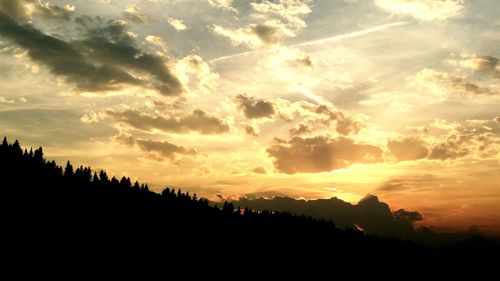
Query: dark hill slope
{"points": [[59, 215]]}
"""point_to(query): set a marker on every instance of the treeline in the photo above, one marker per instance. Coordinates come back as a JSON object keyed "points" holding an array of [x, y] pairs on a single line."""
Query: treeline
{"points": [[44, 186], [34, 187], [49, 209]]}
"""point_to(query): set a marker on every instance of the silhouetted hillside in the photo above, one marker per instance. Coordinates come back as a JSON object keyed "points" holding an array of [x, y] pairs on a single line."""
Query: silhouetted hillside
{"points": [[67, 214]]}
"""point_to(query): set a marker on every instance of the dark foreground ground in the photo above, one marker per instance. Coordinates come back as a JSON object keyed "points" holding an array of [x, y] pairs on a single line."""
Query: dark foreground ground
{"points": [[56, 218]]}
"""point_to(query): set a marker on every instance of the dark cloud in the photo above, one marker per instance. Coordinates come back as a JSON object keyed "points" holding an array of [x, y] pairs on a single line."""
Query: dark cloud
{"points": [[124, 138], [155, 149], [88, 21], [303, 61], [373, 216], [483, 63], [408, 149], [164, 149], [447, 151], [198, 121], [321, 154], [345, 125], [56, 12], [300, 129], [268, 34], [452, 148], [259, 170], [106, 59], [411, 216], [255, 108], [250, 130], [461, 85]]}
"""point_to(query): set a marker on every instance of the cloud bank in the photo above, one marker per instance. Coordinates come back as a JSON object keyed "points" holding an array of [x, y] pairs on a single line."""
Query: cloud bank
{"points": [[321, 154]]}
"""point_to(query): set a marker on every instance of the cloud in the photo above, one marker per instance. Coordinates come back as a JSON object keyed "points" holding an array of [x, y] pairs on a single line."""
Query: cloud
{"points": [[403, 183], [105, 60], [330, 39], [487, 65], [281, 57], [17, 9], [264, 34], [134, 14], [164, 149], [407, 149], [198, 121], [480, 63], [345, 125], [196, 75], [314, 116], [157, 150], [441, 84], [6, 100], [177, 24], [449, 149], [254, 108], [474, 139], [124, 138], [281, 19], [259, 170], [300, 129], [290, 11], [497, 119], [156, 41], [409, 182], [411, 216], [426, 10], [321, 154], [250, 130], [23, 10], [223, 4], [90, 118], [302, 60]]}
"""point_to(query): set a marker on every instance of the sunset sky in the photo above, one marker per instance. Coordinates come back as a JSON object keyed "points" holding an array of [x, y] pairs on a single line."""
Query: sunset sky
{"points": [[308, 99]]}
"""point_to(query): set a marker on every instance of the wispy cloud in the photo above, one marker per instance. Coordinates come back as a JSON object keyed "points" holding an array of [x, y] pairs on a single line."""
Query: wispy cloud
{"points": [[327, 40]]}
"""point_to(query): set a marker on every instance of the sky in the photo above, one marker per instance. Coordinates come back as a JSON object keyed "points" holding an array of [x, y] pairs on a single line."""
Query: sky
{"points": [[301, 98]]}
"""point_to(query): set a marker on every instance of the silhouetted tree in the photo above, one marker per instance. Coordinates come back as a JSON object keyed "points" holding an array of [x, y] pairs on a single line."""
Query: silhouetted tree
{"points": [[103, 177], [68, 170], [95, 178]]}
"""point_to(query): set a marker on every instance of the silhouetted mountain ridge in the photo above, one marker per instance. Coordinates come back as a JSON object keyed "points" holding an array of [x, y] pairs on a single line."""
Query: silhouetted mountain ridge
{"points": [[369, 214]]}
